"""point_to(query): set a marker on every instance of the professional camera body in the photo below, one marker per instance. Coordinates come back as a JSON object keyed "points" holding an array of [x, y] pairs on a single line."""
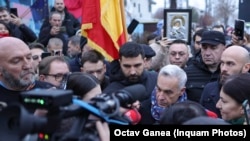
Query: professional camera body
{"points": [[18, 120]]}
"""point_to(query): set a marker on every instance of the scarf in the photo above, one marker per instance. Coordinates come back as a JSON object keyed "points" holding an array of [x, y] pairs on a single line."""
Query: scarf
{"points": [[156, 110], [4, 35]]}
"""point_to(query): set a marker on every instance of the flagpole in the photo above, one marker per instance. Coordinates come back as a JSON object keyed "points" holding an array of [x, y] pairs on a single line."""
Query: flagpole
{"points": [[27, 11], [123, 18]]}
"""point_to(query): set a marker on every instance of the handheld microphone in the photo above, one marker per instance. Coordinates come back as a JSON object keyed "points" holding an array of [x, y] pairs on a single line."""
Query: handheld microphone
{"points": [[133, 116]]}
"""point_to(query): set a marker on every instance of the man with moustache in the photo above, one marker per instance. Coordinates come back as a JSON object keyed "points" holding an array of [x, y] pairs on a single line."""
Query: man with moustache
{"points": [[69, 22], [129, 69], [234, 60], [16, 70]]}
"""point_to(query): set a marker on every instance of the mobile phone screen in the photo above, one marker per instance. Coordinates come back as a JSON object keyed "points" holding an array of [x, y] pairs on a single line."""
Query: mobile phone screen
{"points": [[45, 54], [14, 11], [132, 26], [239, 28]]}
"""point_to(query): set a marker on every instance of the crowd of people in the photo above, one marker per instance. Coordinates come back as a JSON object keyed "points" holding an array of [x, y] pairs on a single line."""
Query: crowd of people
{"points": [[207, 79]]}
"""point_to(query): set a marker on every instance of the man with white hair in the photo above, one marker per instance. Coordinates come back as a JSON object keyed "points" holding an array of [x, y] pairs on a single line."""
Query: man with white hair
{"points": [[170, 88]]}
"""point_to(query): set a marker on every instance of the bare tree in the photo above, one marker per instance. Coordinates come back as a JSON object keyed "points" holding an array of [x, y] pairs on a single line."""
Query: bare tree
{"points": [[224, 9]]}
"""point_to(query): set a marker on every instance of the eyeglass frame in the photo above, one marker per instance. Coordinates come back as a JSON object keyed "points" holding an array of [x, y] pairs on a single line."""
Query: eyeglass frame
{"points": [[57, 75], [56, 52]]}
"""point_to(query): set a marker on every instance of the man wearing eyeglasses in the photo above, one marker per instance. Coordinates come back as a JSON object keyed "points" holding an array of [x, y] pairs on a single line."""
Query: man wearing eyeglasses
{"points": [[54, 69], [178, 53]]}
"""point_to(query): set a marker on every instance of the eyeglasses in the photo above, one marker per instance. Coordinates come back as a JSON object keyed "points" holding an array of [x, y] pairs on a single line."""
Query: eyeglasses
{"points": [[58, 77], [57, 52], [64, 81]]}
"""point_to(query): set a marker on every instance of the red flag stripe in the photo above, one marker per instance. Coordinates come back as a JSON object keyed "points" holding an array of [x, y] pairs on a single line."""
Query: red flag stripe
{"points": [[98, 37]]}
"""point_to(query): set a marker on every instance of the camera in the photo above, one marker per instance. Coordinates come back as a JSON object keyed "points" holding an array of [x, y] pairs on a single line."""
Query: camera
{"points": [[17, 120]]}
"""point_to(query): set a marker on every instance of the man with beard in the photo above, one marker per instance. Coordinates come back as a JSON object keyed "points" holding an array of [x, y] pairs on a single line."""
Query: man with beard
{"points": [[16, 71], [130, 70], [70, 24], [234, 60]]}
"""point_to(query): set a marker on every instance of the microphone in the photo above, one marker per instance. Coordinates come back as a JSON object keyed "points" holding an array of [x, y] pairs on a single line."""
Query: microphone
{"points": [[130, 94], [133, 116], [211, 114]]}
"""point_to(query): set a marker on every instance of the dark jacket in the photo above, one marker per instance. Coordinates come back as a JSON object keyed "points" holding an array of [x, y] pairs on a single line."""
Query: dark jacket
{"points": [[45, 35], [105, 82], [75, 63], [70, 22], [145, 111], [23, 32], [210, 97], [198, 75]]}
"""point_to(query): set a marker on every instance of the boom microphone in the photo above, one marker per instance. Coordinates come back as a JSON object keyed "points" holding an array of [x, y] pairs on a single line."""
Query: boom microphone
{"points": [[130, 94]]}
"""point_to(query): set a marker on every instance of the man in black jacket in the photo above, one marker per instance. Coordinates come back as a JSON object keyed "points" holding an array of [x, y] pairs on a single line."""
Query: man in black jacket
{"points": [[130, 70], [18, 29], [205, 66], [234, 60], [69, 22], [54, 30]]}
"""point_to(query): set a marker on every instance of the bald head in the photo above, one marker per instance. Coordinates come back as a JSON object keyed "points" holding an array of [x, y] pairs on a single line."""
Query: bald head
{"points": [[11, 45], [237, 52], [16, 71], [234, 60], [6, 41]]}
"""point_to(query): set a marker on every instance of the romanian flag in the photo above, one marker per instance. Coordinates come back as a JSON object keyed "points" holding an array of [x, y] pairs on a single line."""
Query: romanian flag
{"points": [[103, 23]]}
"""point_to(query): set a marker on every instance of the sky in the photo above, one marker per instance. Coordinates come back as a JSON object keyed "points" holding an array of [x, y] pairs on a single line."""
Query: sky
{"points": [[197, 3], [194, 3]]}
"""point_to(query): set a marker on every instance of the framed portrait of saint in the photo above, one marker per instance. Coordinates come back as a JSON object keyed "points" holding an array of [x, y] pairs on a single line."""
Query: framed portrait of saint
{"points": [[177, 24]]}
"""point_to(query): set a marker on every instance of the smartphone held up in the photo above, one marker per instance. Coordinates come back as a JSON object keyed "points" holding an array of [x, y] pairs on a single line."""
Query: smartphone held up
{"points": [[239, 26]]}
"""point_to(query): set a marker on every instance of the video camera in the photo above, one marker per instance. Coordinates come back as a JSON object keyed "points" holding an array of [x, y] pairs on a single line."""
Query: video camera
{"points": [[17, 120]]}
